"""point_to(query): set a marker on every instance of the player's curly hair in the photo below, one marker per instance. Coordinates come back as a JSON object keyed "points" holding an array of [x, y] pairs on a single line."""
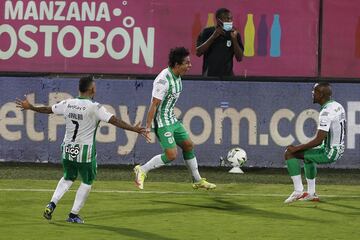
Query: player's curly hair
{"points": [[177, 55], [85, 83]]}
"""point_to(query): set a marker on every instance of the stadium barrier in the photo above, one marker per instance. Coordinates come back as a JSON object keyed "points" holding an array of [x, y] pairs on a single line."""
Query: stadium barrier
{"points": [[261, 117]]}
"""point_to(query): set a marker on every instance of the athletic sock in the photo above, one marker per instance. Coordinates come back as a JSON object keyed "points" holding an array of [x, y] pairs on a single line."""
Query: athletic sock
{"points": [[62, 187], [53, 205], [298, 186], [80, 198], [192, 165], [153, 163], [310, 186]]}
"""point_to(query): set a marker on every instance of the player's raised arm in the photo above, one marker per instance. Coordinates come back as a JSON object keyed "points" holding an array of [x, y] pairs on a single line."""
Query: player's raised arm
{"points": [[25, 105]]}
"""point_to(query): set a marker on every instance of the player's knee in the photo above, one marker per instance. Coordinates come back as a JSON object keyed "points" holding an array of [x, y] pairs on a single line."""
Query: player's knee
{"points": [[171, 155], [188, 147]]}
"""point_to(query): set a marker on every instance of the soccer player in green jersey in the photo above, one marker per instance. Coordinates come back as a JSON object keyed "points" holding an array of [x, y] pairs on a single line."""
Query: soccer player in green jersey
{"points": [[330, 134], [82, 116], [169, 130]]}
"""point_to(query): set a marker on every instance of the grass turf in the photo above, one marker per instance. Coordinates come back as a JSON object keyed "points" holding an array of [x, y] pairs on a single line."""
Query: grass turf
{"points": [[248, 206]]}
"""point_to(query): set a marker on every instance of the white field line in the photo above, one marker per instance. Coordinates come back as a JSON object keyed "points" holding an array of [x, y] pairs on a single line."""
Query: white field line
{"points": [[173, 192]]}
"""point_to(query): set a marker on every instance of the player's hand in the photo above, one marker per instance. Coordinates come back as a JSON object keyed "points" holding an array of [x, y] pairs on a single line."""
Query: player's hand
{"points": [[234, 32], [218, 31], [23, 104], [291, 149], [147, 135], [142, 131]]}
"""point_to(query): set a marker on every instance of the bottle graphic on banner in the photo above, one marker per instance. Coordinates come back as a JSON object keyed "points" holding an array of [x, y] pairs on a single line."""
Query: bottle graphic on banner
{"points": [[275, 35], [262, 37], [357, 39], [210, 21], [196, 29], [249, 35]]}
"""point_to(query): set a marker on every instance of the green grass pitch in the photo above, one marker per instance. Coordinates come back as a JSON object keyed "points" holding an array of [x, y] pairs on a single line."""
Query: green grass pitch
{"points": [[248, 206]]}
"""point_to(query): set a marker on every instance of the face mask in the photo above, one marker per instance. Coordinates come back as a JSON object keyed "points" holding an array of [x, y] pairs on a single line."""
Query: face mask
{"points": [[227, 26]]}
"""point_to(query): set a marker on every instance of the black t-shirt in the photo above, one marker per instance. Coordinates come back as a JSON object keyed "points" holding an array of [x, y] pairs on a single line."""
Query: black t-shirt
{"points": [[218, 59]]}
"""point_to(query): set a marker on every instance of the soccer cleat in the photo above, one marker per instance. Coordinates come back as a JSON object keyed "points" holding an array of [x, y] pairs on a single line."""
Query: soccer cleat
{"points": [[49, 209], [295, 196], [74, 219], [203, 184], [140, 176], [310, 197]]}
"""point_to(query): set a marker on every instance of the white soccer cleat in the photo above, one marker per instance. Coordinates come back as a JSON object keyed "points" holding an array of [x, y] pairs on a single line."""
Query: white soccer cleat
{"points": [[140, 176], [310, 197], [295, 196]]}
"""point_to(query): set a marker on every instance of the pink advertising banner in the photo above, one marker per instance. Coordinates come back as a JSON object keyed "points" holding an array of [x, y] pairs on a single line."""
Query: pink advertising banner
{"points": [[134, 37], [341, 39]]}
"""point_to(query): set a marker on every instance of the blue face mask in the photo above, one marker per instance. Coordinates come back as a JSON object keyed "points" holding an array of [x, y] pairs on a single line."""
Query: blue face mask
{"points": [[227, 26]]}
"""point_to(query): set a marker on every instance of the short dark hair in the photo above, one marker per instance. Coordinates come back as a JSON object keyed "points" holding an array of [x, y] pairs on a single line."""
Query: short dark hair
{"points": [[325, 88], [177, 55], [221, 11], [85, 83]]}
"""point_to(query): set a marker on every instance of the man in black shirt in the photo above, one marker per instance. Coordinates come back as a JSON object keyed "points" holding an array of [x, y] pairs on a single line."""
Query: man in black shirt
{"points": [[219, 45]]}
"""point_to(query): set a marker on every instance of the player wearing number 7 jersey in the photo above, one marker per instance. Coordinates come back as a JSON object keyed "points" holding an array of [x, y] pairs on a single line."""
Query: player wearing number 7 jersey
{"points": [[82, 116], [331, 133]]}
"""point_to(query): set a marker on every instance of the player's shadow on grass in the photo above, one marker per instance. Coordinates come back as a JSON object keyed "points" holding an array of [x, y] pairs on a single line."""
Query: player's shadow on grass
{"points": [[129, 232], [355, 210], [342, 205], [134, 213], [234, 208]]}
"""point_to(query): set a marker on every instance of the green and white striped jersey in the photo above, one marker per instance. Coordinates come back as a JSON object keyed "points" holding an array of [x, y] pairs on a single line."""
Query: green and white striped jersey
{"points": [[82, 117], [332, 120], [166, 87]]}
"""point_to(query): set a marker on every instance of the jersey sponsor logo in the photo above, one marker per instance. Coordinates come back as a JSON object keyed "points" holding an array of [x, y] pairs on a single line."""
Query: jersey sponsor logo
{"points": [[75, 107], [325, 114], [73, 151], [162, 81], [337, 109], [167, 134]]}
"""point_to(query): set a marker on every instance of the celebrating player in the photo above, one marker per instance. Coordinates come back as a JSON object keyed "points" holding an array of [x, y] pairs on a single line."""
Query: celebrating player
{"points": [[166, 90], [82, 116], [331, 132]]}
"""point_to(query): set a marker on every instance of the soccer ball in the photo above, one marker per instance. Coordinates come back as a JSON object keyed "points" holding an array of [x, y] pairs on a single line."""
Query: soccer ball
{"points": [[236, 157]]}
